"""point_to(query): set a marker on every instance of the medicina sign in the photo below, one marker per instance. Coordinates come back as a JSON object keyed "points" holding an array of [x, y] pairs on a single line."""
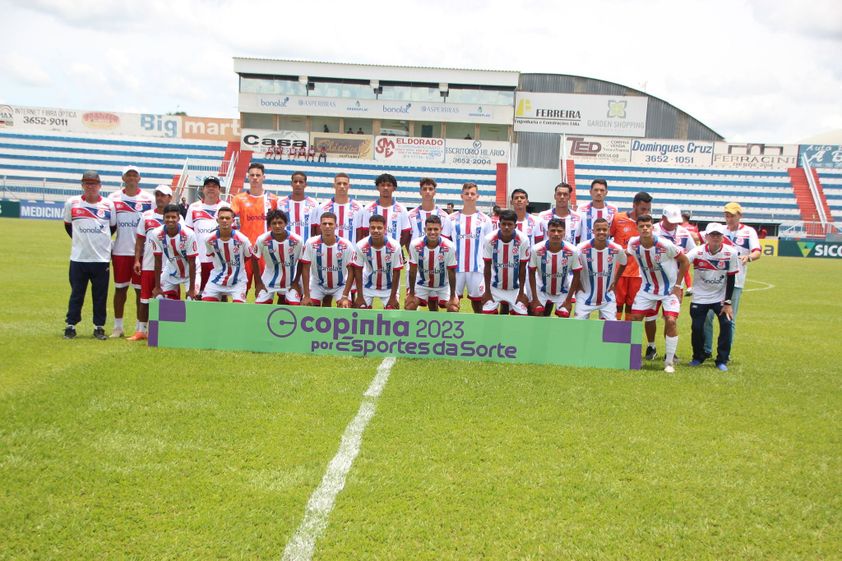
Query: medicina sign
{"points": [[334, 331]]}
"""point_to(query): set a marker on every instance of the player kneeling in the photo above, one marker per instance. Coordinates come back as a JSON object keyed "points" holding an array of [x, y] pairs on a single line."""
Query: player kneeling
{"points": [[432, 270], [552, 261], [378, 267], [327, 267], [281, 253], [229, 250], [506, 256], [177, 244], [598, 276]]}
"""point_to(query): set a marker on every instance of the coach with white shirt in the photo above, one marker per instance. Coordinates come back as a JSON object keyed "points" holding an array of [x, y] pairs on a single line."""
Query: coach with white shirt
{"points": [[90, 220]]}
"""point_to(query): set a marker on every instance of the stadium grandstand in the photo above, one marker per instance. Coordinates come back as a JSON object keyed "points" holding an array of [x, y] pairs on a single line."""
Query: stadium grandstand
{"points": [[499, 129]]}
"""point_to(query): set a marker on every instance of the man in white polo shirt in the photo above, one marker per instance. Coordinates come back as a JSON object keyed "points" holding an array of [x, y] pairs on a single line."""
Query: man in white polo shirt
{"points": [[89, 220]]}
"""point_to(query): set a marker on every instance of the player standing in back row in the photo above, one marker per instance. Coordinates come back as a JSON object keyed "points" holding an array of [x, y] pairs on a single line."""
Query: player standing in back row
{"points": [[470, 228], [251, 209], [346, 209], [201, 218], [428, 207], [299, 207], [395, 214], [597, 208]]}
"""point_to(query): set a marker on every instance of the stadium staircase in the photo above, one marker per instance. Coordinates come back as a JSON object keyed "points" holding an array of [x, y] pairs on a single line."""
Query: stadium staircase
{"points": [[807, 206], [243, 161]]}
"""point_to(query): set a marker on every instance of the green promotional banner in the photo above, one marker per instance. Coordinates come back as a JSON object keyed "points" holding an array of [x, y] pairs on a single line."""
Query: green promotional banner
{"points": [[402, 334], [9, 209], [806, 248]]}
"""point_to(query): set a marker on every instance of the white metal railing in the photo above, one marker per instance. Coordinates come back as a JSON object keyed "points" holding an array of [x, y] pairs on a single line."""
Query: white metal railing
{"points": [[800, 229], [814, 189]]}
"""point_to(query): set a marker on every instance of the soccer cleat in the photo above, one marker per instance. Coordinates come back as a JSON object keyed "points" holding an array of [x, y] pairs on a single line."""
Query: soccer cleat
{"points": [[708, 354], [69, 332], [694, 362], [117, 333], [722, 367], [99, 333], [651, 353], [689, 291], [138, 336], [669, 368]]}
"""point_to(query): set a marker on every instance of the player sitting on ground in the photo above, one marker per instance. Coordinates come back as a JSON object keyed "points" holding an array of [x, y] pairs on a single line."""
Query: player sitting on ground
{"points": [[661, 264], [506, 255], [378, 268], [230, 250], [177, 245], [432, 270], [327, 267], [281, 253], [602, 264], [549, 265]]}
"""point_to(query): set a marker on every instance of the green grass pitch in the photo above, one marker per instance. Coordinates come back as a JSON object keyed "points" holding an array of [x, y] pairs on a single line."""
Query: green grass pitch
{"points": [[111, 450]]}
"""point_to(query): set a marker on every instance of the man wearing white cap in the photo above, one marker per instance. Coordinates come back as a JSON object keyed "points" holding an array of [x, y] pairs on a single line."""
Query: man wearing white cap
{"points": [[715, 266], [744, 239], [669, 228], [144, 260], [130, 202]]}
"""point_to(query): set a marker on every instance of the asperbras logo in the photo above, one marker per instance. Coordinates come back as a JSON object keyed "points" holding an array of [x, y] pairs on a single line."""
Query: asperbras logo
{"points": [[386, 147], [282, 322]]}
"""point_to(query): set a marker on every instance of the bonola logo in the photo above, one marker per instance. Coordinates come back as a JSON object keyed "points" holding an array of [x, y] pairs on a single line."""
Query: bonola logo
{"points": [[282, 322], [806, 247]]}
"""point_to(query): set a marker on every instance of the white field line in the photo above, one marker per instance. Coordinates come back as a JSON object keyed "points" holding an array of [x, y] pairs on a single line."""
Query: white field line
{"points": [[766, 286], [303, 542]]}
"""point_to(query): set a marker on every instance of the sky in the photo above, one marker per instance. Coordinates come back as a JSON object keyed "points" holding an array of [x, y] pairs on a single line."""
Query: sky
{"points": [[757, 71]]}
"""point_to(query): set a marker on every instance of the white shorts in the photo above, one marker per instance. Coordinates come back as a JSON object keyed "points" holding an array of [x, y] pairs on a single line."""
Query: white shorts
{"points": [[557, 300], [169, 284], [475, 283], [425, 294], [318, 293], [214, 292], [267, 296], [369, 294], [607, 310], [510, 297], [648, 304]]}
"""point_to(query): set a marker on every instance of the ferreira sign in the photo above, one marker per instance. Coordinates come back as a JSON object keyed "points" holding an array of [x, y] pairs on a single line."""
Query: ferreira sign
{"points": [[334, 331]]}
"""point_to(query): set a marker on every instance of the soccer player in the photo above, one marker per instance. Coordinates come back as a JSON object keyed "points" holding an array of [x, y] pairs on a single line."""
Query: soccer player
{"points": [[715, 266], [379, 264], [428, 207], [177, 245], [552, 262], [251, 208], [144, 257], [690, 227], [602, 263], [201, 218], [299, 207], [528, 224], [661, 264], [597, 208], [562, 211], [281, 251], [327, 270], [622, 229], [89, 220], [131, 202], [230, 250], [395, 214], [744, 239], [346, 209], [506, 255], [432, 270], [470, 228]]}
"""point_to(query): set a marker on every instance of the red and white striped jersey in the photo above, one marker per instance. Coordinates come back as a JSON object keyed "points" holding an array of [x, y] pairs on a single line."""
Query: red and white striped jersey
{"points": [[572, 224], [175, 252], [469, 231], [201, 218], [680, 236], [280, 258], [532, 226], [347, 217], [148, 222], [129, 210], [598, 269], [396, 216], [506, 259], [379, 264], [590, 214], [229, 258], [300, 215], [418, 216], [329, 263], [553, 268], [658, 267], [432, 262]]}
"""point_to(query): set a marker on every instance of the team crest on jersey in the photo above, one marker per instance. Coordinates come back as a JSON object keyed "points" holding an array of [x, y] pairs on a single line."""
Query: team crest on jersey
{"points": [[100, 213]]}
